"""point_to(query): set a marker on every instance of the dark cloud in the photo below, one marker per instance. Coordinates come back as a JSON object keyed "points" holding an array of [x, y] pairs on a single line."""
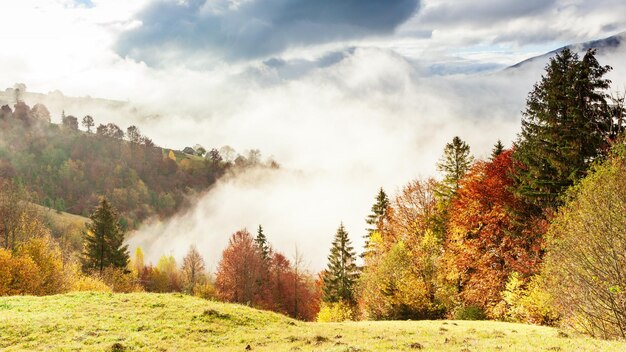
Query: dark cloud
{"points": [[255, 28], [484, 12]]}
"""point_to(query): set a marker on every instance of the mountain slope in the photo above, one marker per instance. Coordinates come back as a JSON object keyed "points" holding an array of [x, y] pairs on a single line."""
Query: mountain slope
{"points": [[68, 169], [604, 46], [160, 322]]}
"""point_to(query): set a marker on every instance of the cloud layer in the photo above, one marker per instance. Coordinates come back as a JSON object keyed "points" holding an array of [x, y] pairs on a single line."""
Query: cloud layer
{"points": [[232, 30], [342, 118]]}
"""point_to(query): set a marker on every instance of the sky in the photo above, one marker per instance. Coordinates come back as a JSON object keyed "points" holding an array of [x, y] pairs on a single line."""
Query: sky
{"points": [[348, 96]]}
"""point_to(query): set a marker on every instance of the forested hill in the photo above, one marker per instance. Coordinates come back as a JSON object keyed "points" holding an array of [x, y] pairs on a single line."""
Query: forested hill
{"points": [[68, 169]]}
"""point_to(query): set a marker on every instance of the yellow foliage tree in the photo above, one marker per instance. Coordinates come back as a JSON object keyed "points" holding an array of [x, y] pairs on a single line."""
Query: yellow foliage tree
{"points": [[47, 256]]}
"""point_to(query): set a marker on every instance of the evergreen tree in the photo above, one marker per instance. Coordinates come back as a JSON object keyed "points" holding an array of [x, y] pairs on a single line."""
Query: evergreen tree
{"points": [[376, 218], [261, 243], [565, 127], [454, 163], [498, 148], [104, 241], [341, 274]]}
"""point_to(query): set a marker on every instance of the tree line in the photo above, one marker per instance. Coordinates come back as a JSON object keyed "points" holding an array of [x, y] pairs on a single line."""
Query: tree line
{"points": [[62, 167], [535, 233]]}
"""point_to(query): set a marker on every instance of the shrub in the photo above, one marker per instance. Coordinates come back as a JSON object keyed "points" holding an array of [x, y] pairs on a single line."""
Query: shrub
{"points": [[89, 283], [46, 254], [18, 275], [528, 302], [470, 313], [120, 280], [335, 312], [205, 291], [76, 281]]}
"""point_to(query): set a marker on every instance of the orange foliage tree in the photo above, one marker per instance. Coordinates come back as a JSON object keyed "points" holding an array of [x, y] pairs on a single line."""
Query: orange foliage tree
{"points": [[241, 272], [484, 246]]}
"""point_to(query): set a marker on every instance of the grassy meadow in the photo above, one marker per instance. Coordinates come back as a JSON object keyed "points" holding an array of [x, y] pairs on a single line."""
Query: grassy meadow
{"points": [[175, 322]]}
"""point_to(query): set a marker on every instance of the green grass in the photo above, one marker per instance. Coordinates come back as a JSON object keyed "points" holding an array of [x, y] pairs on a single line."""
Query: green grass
{"points": [[173, 322], [61, 220]]}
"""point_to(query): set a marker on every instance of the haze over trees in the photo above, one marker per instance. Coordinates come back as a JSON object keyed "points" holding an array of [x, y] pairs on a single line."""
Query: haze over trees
{"points": [[533, 233], [63, 167]]}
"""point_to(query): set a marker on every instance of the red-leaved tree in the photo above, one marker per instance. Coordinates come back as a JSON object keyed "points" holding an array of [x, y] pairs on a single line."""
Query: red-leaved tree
{"points": [[483, 245], [241, 273]]}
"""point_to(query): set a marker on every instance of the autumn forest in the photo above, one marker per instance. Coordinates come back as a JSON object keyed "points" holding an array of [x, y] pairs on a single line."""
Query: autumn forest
{"points": [[535, 233]]}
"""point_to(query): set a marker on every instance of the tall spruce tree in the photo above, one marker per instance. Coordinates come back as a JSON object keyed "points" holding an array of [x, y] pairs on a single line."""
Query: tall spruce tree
{"points": [[498, 148], [376, 219], [104, 240], [454, 163], [341, 274], [565, 127], [261, 243]]}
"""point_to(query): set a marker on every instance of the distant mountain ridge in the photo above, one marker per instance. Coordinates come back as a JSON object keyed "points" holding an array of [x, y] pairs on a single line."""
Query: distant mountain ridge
{"points": [[602, 45]]}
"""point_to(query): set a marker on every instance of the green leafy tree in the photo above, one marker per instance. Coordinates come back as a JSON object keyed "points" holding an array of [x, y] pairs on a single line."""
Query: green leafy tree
{"points": [[342, 273], [585, 262], [565, 127], [104, 240], [454, 164]]}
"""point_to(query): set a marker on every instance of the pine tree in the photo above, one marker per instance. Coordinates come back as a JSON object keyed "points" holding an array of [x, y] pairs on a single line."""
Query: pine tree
{"points": [[565, 127], [498, 148], [104, 240], [377, 217], [341, 274], [454, 163], [261, 243]]}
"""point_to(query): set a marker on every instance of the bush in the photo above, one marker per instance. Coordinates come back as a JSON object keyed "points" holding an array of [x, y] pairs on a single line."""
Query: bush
{"points": [[470, 313], [18, 275], [120, 280], [335, 312], [76, 281], [205, 291], [46, 254], [89, 283]]}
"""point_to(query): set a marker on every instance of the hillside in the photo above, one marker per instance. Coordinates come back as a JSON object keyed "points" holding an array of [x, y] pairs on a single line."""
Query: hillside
{"points": [[603, 46], [162, 322], [68, 169]]}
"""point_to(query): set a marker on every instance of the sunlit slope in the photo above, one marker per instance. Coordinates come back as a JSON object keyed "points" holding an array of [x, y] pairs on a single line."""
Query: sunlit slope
{"points": [[162, 322]]}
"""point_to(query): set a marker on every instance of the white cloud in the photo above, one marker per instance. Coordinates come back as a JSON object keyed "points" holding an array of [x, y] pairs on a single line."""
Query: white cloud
{"points": [[341, 128]]}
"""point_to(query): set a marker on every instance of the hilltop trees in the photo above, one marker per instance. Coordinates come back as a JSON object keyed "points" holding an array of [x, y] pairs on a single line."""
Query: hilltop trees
{"points": [[88, 123], [70, 122], [565, 128], [104, 239]]}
